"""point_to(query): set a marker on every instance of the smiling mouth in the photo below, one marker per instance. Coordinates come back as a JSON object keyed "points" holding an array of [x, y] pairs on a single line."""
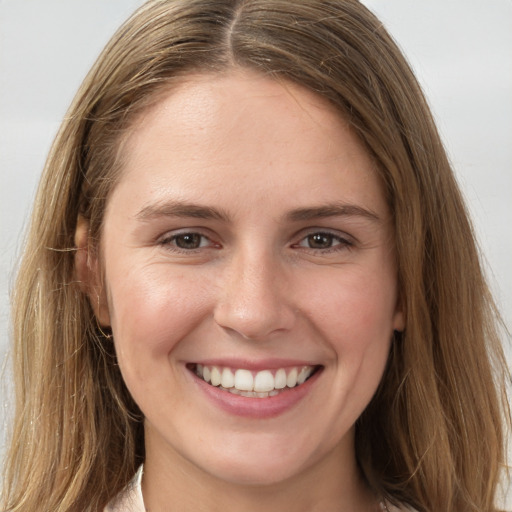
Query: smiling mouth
{"points": [[261, 384]]}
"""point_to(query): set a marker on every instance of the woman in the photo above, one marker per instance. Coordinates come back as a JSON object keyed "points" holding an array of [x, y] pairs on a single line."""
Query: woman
{"points": [[250, 280]]}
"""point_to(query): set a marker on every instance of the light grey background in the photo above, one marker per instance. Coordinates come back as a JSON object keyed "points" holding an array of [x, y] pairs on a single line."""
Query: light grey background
{"points": [[461, 51]]}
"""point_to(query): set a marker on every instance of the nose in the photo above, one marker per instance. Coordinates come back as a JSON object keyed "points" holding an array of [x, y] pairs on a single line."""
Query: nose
{"points": [[255, 300]]}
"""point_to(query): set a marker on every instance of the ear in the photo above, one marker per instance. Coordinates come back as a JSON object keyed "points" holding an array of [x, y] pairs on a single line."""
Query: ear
{"points": [[88, 273], [399, 316]]}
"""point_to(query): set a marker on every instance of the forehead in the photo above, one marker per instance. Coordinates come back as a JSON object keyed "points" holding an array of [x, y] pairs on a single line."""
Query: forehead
{"points": [[210, 131], [213, 99]]}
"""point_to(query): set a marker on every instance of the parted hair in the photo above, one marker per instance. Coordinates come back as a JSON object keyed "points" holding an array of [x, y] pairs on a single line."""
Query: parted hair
{"points": [[433, 435]]}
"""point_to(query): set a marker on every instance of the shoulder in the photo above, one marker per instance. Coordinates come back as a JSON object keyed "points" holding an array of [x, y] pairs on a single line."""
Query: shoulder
{"points": [[130, 498]]}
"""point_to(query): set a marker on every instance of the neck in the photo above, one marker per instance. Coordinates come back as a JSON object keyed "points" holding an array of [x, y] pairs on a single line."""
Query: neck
{"points": [[334, 483]]}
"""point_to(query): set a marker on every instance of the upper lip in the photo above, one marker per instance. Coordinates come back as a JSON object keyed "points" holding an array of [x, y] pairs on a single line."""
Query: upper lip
{"points": [[254, 365]]}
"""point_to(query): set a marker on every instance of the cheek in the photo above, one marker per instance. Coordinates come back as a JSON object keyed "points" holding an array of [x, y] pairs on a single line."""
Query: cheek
{"points": [[355, 308], [152, 308]]}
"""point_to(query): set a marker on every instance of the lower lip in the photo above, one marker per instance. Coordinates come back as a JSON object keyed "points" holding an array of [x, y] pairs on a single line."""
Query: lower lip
{"points": [[249, 407]]}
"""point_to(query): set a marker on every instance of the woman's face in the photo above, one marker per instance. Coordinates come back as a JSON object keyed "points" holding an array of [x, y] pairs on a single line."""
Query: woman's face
{"points": [[249, 242]]}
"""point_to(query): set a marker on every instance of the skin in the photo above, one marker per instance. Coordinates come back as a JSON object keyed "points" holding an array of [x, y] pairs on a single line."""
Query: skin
{"points": [[256, 288]]}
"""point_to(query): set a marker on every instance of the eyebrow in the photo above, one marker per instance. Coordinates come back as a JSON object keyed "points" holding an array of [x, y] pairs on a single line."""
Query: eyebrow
{"points": [[177, 208], [332, 210]]}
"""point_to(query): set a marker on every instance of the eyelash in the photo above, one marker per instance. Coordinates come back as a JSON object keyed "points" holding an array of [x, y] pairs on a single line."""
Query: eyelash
{"points": [[340, 243], [170, 242]]}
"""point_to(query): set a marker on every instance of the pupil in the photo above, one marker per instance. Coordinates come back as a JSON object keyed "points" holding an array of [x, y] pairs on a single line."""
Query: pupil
{"points": [[320, 241], [188, 241]]}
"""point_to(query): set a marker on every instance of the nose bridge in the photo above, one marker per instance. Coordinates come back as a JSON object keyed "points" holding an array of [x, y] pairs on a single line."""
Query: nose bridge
{"points": [[253, 295]]}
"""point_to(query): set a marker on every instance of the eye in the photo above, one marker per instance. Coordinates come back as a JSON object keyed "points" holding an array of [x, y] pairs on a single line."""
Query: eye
{"points": [[324, 241], [320, 240], [186, 241]]}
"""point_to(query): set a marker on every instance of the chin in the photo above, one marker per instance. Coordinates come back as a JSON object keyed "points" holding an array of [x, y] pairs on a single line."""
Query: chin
{"points": [[246, 474], [263, 466]]}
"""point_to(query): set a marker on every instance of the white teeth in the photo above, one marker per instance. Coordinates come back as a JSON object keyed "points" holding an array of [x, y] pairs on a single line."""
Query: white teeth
{"points": [[305, 372], [227, 380], [215, 376], [264, 382], [251, 394], [244, 380], [260, 385], [291, 380], [280, 379]]}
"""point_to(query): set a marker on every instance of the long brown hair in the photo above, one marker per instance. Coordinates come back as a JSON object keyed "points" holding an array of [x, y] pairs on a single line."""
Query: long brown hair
{"points": [[433, 436]]}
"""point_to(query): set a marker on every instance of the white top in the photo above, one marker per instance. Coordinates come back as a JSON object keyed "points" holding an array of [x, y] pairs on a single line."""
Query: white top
{"points": [[130, 498]]}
